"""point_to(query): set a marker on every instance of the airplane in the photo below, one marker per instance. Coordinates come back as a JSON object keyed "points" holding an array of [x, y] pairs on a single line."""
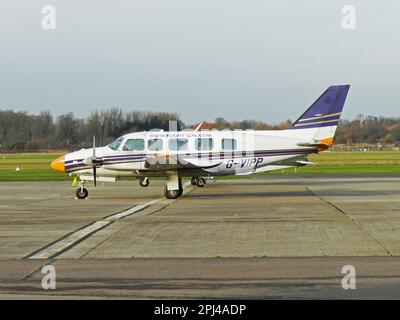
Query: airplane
{"points": [[202, 154]]}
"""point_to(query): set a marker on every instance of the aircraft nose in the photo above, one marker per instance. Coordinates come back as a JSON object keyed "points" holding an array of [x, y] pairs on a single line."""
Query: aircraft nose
{"points": [[58, 164]]}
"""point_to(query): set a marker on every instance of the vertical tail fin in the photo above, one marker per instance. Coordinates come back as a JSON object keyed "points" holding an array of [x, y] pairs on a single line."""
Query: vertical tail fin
{"points": [[320, 120]]}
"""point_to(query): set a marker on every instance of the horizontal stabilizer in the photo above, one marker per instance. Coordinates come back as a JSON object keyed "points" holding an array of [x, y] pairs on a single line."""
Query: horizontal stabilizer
{"points": [[313, 144], [247, 173], [303, 162]]}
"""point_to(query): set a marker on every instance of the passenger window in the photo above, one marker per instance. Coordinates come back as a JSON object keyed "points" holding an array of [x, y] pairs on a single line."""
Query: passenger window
{"points": [[134, 145], [229, 144], [155, 144], [178, 144], [204, 144]]}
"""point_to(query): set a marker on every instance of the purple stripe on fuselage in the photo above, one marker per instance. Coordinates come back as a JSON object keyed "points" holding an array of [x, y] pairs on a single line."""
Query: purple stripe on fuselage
{"points": [[124, 156], [219, 155], [75, 160], [77, 165]]}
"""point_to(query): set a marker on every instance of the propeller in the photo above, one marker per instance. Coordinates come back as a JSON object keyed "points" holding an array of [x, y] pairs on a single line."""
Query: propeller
{"points": [[94, 161]]}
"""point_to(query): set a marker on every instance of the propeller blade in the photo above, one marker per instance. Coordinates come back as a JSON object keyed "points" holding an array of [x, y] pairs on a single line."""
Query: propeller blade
{"points": [[94, 176], [95, 162], [94, 147]]}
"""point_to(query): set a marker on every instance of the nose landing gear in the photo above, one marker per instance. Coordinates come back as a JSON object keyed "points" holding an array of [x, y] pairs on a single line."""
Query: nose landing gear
{"points": [[81, 193], [144, 182]]}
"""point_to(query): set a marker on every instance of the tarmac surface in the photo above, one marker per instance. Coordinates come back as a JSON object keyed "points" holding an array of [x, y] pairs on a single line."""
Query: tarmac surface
{"points": [[261, 237]]}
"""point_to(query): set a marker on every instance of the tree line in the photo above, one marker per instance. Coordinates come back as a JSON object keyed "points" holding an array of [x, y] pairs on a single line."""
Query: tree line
{"points": [[20, 131]]}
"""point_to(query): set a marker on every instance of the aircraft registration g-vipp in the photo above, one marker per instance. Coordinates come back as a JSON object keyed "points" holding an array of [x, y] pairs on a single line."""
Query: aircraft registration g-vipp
{"points": [[199, 154]]}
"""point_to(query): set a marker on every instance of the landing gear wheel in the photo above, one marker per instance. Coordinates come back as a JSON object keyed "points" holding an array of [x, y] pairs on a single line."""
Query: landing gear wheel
{"points": [[172, 194], [201, 182], [144, 182], [193, 181], [81, 193]]}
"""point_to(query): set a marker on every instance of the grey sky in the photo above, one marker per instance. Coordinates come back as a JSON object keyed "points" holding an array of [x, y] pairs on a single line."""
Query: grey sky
{"points": [[265, 60]]}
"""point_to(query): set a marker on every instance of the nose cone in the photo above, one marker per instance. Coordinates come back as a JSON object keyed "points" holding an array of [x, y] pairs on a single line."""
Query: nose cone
{"points": [[58, 164]]}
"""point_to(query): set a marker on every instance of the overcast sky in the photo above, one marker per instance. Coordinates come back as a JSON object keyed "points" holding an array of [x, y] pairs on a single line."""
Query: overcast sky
{"points": [[258, 59]]}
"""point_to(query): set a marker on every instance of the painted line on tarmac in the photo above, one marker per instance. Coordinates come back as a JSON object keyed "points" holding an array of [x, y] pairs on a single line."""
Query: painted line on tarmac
{"points": [[132, 210], [72, 239]]}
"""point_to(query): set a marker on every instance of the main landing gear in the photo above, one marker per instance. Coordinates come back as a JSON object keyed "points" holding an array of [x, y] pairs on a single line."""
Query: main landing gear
{"points": [[174, 188], [173, 194], [198, 181]]}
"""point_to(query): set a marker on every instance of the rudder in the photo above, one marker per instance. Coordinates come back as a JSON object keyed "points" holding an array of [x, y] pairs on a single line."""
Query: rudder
{"points": [[322, 117]]}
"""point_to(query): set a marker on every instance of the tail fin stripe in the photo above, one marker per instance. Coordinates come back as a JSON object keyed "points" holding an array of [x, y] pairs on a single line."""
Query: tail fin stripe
{"points": [[319, 122], [325, 111], [321, 117], [316, 126]]}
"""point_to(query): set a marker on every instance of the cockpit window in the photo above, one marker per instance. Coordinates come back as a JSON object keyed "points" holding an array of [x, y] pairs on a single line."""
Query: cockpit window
{"points": [[134, 145], [115, 145]]}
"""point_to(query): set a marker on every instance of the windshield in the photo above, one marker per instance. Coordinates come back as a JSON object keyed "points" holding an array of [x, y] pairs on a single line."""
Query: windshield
{"points": [[115, 145], [134, 145]]}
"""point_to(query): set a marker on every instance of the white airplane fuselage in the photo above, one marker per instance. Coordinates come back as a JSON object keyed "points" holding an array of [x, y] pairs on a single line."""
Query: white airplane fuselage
{"points": [[218, 153], [176, 154]]}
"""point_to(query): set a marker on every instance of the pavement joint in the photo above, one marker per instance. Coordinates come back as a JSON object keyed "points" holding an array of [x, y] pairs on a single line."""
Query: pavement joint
{"points": [[388, 252]]}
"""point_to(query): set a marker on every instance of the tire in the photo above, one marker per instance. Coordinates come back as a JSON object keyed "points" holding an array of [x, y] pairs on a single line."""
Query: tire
{"points": [[193, 181], [144, 182], [172, 194], [201, 182], [81, 193]]}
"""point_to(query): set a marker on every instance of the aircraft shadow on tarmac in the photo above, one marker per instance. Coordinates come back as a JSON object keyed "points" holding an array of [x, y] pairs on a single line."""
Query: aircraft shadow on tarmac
{"points": [[253, 194], [301, 183], [328, 192]]}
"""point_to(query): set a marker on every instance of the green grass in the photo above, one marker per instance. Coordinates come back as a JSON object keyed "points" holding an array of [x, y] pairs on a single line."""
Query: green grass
{"points": [[354, 169], [36, 166], [33, 167], [350, 163], [33, 175]]}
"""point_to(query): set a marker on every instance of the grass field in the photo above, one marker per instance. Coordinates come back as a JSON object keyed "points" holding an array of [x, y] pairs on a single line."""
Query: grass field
{"points": [[36, 166], [33, 167], [350, 163]]}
